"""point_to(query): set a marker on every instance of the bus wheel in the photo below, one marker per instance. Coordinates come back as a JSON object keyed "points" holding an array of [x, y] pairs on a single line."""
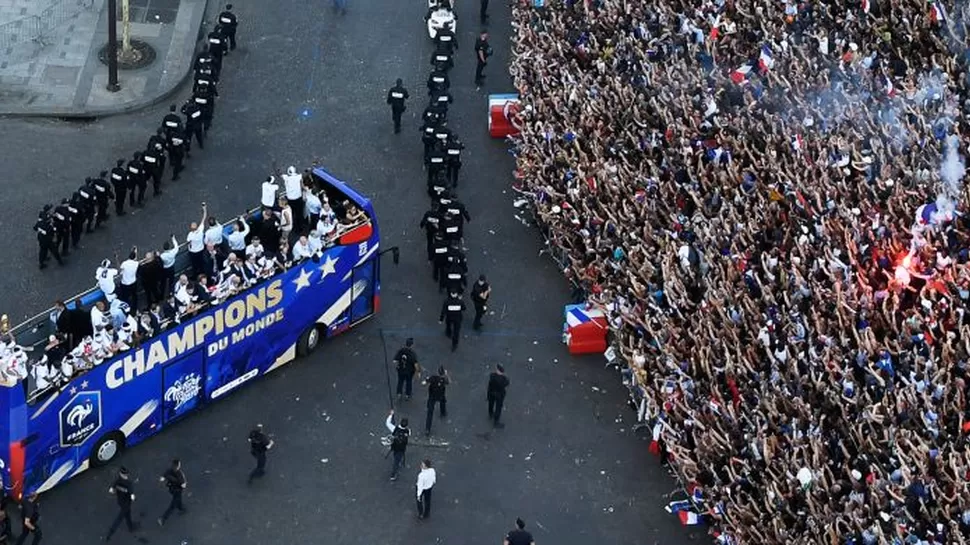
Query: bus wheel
{"points": [[107, 449], [308, 341]]}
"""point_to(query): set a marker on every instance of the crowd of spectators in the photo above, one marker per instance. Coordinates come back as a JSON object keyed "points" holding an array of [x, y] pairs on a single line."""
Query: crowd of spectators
{"points": [[743, 186]]}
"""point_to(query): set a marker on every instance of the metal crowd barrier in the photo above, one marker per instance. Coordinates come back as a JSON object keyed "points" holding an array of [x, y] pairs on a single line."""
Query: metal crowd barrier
{"points": [[23, 38]]}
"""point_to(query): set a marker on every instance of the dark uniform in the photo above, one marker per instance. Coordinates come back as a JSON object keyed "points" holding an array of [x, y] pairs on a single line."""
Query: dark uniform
{"points": [[437, 385], [258, 445], [431, 225], [217, 48], [76, 220], [193, 125], [46, 235], [152, 161], [30, 511], [203, 82], [442, 59], [442, 99], [102, 194], [176, 145], [497, 383], [396, 97], [440, 247], [436, 162], [482, 52], [452, 312], [406, 362], [454, 207], [438, 81], [174, 480], [438, 187], [124, 492], [62, 225], [399, 445], [207, 104], [480, 294], [454, 148], [445, 40], [171, 121], [87, 202], [454, 279], [229, 23], [119, 179], [137, 178]]}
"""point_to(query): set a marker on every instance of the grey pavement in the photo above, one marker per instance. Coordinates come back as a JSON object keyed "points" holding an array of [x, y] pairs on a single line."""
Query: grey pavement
{"points": [[49, 63], [308, 84]]}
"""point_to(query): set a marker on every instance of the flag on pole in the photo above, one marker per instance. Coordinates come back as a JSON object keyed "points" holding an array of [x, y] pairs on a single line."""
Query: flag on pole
{"points": [[740, 73], [654, 447], [678, 506], [865, 6], [689, 518], [937, 13], [765, 60]]}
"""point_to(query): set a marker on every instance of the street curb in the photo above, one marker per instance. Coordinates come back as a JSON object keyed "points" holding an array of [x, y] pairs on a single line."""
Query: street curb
{"points": [[170, 85]]}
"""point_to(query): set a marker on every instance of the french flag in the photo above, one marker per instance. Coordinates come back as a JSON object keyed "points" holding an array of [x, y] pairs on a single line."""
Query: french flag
{"points": [[740, 74], [937, 13], [865, 6], [796, 143], [765, 60], [654, 447]]}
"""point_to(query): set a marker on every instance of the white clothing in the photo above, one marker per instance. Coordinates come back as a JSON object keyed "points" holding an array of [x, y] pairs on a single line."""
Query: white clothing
{"points": [[254, 250], [168, 256], [293, 184], [268, 198], [237, 239], [326, 225], [213, 235], [196, 239], [99, 318], [129, 271], [106, 279], [315, 243], [301, 251], [426, 480], [312, 205], [286, 220]]}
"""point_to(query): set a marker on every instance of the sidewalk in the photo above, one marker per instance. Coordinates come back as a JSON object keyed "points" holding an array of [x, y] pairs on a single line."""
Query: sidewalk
{"points": [[49, 62]]}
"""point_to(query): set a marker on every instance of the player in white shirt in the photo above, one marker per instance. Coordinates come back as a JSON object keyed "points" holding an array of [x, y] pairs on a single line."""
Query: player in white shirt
{"points": [[168, 254], [316, 243], [214, 234], [301, 249], [128, 292], [293, 187], [255, 248], [99, 315], [105, 277], [270, 189], [313, 206], [196, 242], [237, 239]]}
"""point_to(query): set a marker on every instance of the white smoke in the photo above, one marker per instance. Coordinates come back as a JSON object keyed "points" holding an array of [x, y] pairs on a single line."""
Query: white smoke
{"points": [[952, 170]]}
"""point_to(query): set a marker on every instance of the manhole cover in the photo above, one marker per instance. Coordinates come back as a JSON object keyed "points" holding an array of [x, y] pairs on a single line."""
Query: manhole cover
{"points": [[141, 55]]}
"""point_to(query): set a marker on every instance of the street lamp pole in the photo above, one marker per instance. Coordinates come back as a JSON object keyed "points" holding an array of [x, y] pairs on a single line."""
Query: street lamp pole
{"points": [[113, 46]]}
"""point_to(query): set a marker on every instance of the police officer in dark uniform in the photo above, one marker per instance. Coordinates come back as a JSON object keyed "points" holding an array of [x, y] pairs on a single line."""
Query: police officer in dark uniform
{"points": [[102, 193], [207, 103], [450, 226], [441, 134], [396, 97], [442, 99], [427, 133], [124, 491], [436, 162], [46, 235], [452, 312], [460, 213], [87, 202], [400, 433], [445, 40], [119, 179], [229, 23], [453, 149], [176, 144], [440, 248], [203, 81], [430, 222], [454, 279], [76, 220], [62, 224], [258, 445], [30, 512], [442, 59], [137, 178], [171, 121], [497, 383], [438, 187], [217, 47], [406, 362], [175, 481], [437, 386], [193, 125], [438, 81], [152, 160], [480, 293], [205, 63], [158, 142]]}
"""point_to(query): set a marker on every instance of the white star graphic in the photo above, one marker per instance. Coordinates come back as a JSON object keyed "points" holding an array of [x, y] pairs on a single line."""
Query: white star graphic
{"points": [[73, 390], [329, 267], [84, 385], [303, 281]]}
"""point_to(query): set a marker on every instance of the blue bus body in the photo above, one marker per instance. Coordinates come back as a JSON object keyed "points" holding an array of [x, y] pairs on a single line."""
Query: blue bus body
{"points": [[205, 358]]}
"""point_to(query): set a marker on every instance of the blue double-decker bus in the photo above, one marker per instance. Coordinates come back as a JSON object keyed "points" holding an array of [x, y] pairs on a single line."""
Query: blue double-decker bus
{"points": [[46, 437]]}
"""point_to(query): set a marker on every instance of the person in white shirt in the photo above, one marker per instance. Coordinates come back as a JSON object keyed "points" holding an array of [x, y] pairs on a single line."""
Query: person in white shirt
{"points": [[267, 267], [316, 243], [426, 480], [196, 242], [237, 239], [301, 250], [327, 225], [293, 188], [99, 316], [254, 248], [105, 276], [286, 218], [168, 254], [270, 189], [313, 205], [128, 292], [214, 235]]}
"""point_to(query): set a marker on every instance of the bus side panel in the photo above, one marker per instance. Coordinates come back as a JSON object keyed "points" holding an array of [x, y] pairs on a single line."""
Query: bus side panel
{"points": [[66, 426], [182, 386], [12, 429]]}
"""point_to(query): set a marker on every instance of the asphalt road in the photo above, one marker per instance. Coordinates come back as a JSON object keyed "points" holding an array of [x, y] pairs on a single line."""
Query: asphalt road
{"points": [[310, 84]]}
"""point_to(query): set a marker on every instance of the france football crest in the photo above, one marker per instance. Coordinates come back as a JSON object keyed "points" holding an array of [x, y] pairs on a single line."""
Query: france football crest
{"points": [[80, 418]]}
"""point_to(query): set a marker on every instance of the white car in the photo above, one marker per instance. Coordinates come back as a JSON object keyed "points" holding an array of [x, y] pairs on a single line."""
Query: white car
{"points": [[440, 16]]}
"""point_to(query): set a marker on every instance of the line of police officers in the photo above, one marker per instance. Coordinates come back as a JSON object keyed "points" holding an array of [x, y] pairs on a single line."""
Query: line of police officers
{"points": [[444, 223], [60, 227]]}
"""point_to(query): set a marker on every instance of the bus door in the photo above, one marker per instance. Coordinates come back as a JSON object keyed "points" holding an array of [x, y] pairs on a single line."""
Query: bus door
{"points": [[362, 292], [182, 385]]}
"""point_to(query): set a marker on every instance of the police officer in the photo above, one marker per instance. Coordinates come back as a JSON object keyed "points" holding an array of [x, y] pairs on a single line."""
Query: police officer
{"points": [[175, 481], [452, 312], [453, 149], [445, 40], [229, 23], [441, 59], [176, 144], [193, 125], [441, 134], [258, 445], [76, 221], [460, 213], [438, 187], [102, 193], [204, 63], [440, 247], [442, 98], [437, 385], [454, 279], [119, 179], [482, 52], [137, 178], [450, 227], [217, 48], [171, 121], [438, 81], [497, 383], [158, 142], [480, 293], [436, 162], [46, 235], [406, 362], [123, 490], [396, 97], [152, 160], [204, 80], [30, 511], [400, 433], [62, 224], [430, 222], [87, 202], [427, 133], [207, 103]]}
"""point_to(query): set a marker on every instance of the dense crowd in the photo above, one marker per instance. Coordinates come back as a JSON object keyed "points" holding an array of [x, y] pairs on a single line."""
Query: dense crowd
{"points": [[766, 198]]}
